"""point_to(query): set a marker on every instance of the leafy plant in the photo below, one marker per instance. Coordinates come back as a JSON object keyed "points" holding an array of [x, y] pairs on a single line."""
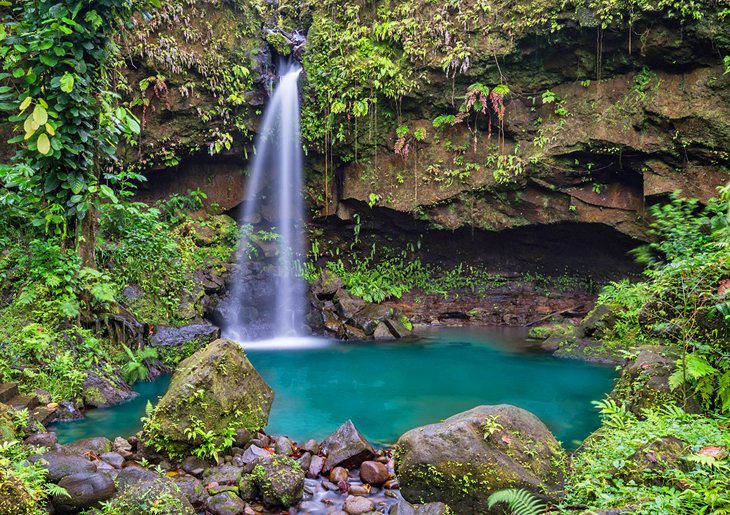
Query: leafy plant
{"points": [[136, 369], [519, 502]]}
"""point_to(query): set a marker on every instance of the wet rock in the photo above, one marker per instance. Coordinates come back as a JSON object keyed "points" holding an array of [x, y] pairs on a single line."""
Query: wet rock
{"points": [[280, 481], [223, 475], [84, 489], [243, 436], [373, 472], [200, 334], [192, 489], [310, 446], [235, 394], [195, 466], [599, 320], [348, 305], [495, 447], [66, 411], [60, 465], [357, 505], [225, 503], [251, 455], [382, 332], [113, 458], [326, 285], [315, 467], [338, 474], [644, 383], [346, 447], [305, 460], [358, 490], [48, 440], [399, 326], [282, 445], [434, 508], [101, 389], [122, 446], [97, 445]]}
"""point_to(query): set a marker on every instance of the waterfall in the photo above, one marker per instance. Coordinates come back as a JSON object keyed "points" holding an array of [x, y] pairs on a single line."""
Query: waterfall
{"points": [[268, 301]]}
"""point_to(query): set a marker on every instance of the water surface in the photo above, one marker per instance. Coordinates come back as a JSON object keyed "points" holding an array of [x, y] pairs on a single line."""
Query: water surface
{"points": [[388, 388]]}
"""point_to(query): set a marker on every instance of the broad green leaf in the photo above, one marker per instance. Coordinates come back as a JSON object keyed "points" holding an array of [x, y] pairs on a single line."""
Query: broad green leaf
{"points": [[40, 115], [44, 144], [30, 126], [67, 83], [108, 193], [50, 130], [25, 103]]}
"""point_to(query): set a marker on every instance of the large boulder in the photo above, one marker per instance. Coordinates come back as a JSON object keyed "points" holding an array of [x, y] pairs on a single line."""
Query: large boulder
{"points": [[138, 489], [644, 383], [85, 490], [198, 335], [101, 389], [59, 465], [214, 390], [465, 458], [346, 447]]}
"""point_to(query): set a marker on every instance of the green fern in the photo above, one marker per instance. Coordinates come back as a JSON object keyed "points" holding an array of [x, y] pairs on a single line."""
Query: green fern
{"points": [[519, 502], [136, 369]]}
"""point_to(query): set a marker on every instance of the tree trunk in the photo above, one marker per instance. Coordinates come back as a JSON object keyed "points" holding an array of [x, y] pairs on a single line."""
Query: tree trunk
{"points": [[86, 238]]}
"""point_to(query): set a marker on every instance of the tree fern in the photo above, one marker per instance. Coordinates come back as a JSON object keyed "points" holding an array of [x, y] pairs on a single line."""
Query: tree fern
{"points": [[519, 502]]}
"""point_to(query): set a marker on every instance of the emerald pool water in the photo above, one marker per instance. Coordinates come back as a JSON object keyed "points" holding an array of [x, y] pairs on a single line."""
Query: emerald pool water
{"points": [[388, 388]]}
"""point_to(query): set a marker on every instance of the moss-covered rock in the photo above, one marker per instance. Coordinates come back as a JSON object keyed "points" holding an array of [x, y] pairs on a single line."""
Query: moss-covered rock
{"points": [[215, 390], [462, 460], [14, 497], [7, 426], [279, 480], [644, 383]]}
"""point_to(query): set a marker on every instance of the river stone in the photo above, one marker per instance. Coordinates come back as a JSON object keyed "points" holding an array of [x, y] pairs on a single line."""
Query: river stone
{"points": [[346, 447], [382, 332], [280, 480], [223, 475], [84, 489], [373, 472], [139, 488], [347, 305], [113, 458], [357, 505], [234, 394], [192, 489], [48, 440], [467, 457], [433, 508], [315, 467], [251, 455], [60, 465], [282, 445], [338, 474], [194, 465], [310, 446], [101, 389], [97, 445], [326, 285], [225, 503], [169, 336]]}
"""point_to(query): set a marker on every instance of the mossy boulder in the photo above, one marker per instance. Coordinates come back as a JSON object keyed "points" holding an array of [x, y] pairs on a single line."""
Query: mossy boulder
{"points": [[657, 456], [601, 319], [465, 458], [279, 480], [644, 383], [14, 497], [138, 489], [217, 390]]}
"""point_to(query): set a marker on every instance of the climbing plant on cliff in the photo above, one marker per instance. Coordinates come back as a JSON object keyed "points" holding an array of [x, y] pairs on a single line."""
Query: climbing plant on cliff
{"points": [[66, 122]]}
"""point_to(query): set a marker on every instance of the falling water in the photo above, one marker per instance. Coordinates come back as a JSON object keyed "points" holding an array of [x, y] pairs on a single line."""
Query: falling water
{"points": [[275, 177]]}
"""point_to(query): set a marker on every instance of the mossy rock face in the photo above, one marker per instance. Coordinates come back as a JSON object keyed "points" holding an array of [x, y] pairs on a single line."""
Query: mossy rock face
{"points": [[7, 426], [658, 456], [601, 319], [464, 459], [14, 498], [644, 384], [215, 389]]}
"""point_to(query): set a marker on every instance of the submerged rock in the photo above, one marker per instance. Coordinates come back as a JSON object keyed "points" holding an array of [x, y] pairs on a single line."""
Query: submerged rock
{"points": [[216, 389], [465, 458], [346, 447]]}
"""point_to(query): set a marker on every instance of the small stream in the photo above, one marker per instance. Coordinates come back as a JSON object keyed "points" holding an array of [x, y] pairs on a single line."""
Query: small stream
{"points": [[389, 388]]}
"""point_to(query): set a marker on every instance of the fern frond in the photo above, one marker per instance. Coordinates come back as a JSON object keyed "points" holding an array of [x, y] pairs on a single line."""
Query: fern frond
{"points": [[519, 502]]}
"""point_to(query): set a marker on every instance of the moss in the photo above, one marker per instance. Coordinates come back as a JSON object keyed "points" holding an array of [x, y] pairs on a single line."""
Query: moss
{"points": [[279, 42], [14, 497]]}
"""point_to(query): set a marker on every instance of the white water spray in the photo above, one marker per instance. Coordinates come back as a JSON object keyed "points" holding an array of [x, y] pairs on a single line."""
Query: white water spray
{"points": [[276, 176]]}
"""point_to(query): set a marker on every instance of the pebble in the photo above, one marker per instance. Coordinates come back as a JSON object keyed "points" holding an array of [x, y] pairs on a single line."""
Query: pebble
{"points": [[338, 474], [356, 505]]}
